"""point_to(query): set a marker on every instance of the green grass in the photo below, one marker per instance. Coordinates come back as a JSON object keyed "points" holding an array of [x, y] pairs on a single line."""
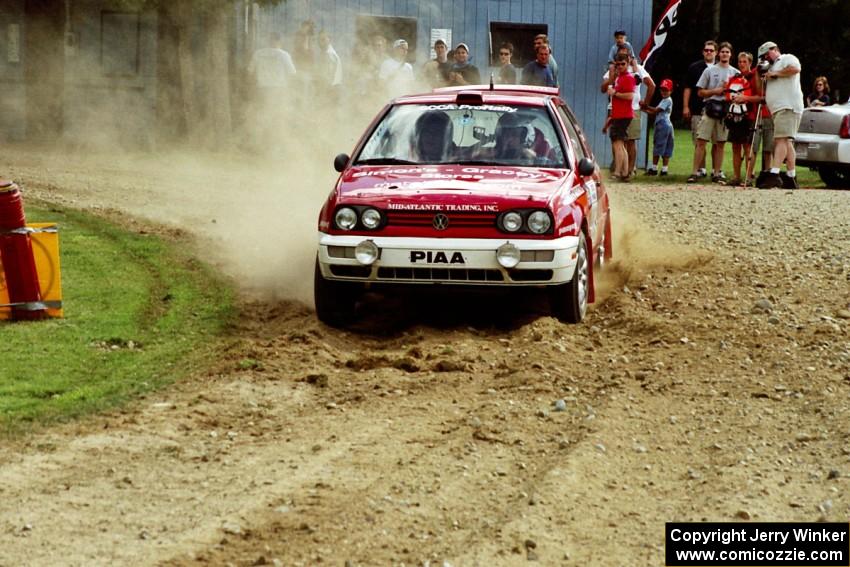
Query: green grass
{"points": [[681, 164], [117, 287]]}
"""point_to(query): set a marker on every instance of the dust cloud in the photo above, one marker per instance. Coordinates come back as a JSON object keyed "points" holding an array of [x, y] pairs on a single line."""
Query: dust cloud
{"points": [[251, 202], [639, 248]]}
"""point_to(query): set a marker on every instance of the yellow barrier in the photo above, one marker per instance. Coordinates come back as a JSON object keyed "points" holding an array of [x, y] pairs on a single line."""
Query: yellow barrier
{"points": [[45, 249]]}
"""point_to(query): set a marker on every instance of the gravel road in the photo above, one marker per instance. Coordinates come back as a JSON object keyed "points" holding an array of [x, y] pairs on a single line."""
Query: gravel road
{"points": [[711, 382]]}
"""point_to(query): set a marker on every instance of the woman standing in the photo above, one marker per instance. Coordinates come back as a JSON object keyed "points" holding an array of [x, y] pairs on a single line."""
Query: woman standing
{"points": [[820, 93]]}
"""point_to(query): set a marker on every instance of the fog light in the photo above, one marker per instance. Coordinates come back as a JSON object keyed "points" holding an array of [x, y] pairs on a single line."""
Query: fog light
{"points": [[508, 255], [366, 252]]}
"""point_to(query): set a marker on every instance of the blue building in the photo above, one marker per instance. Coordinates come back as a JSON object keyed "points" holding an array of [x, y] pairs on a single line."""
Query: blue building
{"points": [[580, 34], [63, 62]]}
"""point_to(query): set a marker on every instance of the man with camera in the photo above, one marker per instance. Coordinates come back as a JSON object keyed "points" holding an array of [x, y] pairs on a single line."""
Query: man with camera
{"points": [[712, 88], [784, 98]]}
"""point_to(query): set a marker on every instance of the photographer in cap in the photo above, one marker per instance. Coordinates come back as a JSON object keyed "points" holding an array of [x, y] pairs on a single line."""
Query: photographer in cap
{"points": [[784, 98]]}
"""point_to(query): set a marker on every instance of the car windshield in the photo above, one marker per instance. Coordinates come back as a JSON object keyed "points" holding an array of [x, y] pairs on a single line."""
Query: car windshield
{"points": [[430, 134]]}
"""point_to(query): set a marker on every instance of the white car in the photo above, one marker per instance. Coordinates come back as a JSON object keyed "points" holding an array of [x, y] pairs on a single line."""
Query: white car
{"points": [[823, 143]]}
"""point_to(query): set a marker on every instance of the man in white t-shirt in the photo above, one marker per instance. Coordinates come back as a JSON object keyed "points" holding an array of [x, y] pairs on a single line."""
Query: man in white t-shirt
{"points": [[639, 101], [711, 87], [396, 73], [274, 76], [272, 66], [784, 99]]}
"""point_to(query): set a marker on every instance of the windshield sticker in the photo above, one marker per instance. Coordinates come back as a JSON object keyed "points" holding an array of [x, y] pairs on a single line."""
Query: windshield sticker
{"points": [[485, 107], [472, 173], [444, 207]]}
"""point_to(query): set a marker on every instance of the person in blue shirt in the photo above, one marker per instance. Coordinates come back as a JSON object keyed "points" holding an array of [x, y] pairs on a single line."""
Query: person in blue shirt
{"points": [[619, 42], [662, 137], [539, 73]]}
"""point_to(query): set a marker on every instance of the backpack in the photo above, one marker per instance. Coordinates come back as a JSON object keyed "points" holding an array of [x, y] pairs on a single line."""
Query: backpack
{"points": [[736, 85]]}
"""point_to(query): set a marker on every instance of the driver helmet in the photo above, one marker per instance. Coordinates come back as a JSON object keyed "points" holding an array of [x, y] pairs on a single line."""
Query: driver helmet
{"points": [[433, 135], [512, 125]]}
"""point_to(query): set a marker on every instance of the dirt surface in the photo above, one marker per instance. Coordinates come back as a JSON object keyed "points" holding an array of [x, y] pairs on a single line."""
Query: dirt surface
{"points": [[711, 382]]}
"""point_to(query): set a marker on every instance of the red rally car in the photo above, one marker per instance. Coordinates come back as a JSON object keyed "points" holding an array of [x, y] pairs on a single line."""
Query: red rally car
{"points": [[466, 186]]}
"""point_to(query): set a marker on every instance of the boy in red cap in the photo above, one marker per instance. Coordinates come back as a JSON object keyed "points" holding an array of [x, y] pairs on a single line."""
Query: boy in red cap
{"points": [[662, 136]]}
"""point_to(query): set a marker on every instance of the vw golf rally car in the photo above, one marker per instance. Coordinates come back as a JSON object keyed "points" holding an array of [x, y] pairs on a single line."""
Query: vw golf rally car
{"points": [[466, 186]]}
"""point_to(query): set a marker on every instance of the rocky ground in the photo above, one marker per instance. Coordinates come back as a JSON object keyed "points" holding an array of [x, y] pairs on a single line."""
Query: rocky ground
{"points": [[711, 382]]}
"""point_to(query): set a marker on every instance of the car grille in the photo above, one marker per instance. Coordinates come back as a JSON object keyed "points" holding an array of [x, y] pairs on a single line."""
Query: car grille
{"points": [[444, 274], [351, 271], [531, 275], [456, 219]]}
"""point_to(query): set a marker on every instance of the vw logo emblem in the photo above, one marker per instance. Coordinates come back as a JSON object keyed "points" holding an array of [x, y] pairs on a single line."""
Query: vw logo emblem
{"points": [[441, 221]]}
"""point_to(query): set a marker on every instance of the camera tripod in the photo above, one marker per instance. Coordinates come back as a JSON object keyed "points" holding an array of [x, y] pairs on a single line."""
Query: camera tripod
{"points": [[758, 127]]}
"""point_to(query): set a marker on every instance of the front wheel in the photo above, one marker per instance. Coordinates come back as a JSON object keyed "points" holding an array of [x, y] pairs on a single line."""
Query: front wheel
{"points": [[569, 300], [835, 177], [335, 301]]}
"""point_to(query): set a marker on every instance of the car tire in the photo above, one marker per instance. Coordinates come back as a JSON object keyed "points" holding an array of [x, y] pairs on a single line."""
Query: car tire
{"points": [[569, 300], [835, 177], [335, 301]]}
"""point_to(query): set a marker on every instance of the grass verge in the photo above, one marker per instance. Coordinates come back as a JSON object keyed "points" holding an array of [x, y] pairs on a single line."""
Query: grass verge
{"points": [[140, 313], [681, 164]]}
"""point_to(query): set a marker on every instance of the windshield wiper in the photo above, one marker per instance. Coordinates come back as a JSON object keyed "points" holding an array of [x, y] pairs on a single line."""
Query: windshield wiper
{"points": [[385, 161]]}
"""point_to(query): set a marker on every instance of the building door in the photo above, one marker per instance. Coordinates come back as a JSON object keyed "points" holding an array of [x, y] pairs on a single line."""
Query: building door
{"points": [[44, 67]]}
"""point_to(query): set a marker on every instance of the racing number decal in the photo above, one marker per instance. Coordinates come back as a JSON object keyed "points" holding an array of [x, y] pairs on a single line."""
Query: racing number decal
{"points": [[429, 257]]}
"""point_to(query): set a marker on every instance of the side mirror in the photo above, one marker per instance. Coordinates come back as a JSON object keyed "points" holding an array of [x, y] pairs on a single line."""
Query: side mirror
{"points": [[586, 167], [340, 162]]}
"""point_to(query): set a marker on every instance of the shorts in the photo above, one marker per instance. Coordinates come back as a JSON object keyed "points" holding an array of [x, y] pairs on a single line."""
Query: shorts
{"points": [[618, 130], [662, 140], [712, 129], [740, 132], [634, 127], [764, 132], [785, 123], [695, 120]]}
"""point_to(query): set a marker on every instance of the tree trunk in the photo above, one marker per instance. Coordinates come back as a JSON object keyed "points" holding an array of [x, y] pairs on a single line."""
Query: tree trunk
{"points": [[171, 124], [186, 65], [715, 18], [217, 89]]}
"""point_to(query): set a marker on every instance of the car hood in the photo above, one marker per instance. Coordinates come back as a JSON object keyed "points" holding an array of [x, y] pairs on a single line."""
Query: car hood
{"points": [[466, 185]]}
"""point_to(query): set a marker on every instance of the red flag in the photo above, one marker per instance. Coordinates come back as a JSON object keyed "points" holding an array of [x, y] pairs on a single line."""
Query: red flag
{"points": [[669, 18]]}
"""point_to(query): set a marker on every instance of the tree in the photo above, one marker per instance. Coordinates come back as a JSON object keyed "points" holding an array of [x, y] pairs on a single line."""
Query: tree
{"points": [[814, 36], [194, 74]]}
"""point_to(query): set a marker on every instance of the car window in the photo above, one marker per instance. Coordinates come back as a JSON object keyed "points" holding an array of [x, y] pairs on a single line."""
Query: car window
{"points": [[450, 133], [572, 133]]}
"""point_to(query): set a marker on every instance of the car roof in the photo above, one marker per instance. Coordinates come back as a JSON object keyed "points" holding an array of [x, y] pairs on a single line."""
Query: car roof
{"points": [[501, 94]]}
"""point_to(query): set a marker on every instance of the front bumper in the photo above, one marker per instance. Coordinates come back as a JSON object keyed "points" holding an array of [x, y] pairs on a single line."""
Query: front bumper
{"points": [[465, 261], [821, 149]]}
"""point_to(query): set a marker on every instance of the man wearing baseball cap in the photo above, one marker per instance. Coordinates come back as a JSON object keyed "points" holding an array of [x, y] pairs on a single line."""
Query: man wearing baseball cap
{"points": [[396, 73], [784, 99]]}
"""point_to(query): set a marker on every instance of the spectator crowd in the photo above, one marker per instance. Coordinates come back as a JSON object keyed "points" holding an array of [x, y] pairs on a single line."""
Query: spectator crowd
{"points": [[752, 102], [382, 67]]}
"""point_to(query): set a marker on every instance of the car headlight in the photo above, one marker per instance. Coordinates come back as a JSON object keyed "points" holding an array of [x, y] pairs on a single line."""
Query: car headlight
{"points": [[539, 222], [371, 218], [366, 252], [346, 218], [512, 221], [508, 255]]}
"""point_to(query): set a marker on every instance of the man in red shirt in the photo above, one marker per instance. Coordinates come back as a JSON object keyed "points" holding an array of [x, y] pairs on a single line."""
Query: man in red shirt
{"points": [[622, 94]]}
